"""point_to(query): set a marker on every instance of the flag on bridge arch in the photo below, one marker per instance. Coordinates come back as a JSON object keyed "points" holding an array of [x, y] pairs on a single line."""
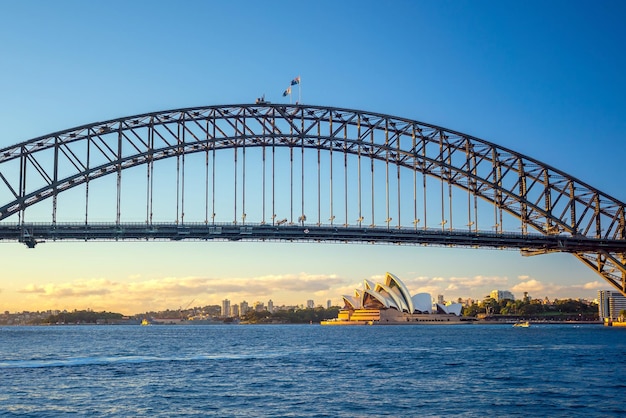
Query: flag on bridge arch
{"points": [[287, 92], [295, 81]]}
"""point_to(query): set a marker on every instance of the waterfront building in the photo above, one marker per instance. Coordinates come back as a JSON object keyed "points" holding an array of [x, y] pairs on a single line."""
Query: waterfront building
{"points": [[225, 307], [259, 306], [610, 303], [234, 310], [499, 295], [390, 302], [310, 304], [270, 306]]}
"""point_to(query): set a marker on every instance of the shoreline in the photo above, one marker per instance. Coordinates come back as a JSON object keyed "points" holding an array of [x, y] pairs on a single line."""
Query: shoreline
{"points": [[537, 322], [190, 323]]}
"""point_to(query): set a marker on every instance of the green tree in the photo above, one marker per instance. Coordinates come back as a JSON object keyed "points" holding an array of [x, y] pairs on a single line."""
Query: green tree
{"points": [[473, 310], [508, 307], [492, 307], [255, 317], [82, 317], [292, 316]]}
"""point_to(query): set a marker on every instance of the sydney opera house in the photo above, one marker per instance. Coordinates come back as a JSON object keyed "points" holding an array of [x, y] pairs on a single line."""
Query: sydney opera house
{"points": [[390, 302]]}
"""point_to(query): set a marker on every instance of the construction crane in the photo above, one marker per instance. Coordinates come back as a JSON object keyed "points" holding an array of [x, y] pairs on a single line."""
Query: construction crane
{"points": [[181, 309]]}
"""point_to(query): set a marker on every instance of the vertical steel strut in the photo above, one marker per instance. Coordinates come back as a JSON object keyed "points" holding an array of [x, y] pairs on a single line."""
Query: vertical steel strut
{"points": [[543, 199]]}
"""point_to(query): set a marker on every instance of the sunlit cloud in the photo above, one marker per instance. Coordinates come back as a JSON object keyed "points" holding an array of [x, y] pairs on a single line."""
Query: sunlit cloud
{"points": [[74, 289], [451, 287], [455, 287], [31, 288], [174, 292], [538, 289], [595, 285], [130, 296], [531, 286]]}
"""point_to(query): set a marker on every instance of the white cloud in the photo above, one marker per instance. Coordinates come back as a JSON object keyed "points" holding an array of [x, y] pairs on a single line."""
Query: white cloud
{"points": [[131, 296], [530, 286], [596, 285], [172, 292], [539, 289], [455, 287]]}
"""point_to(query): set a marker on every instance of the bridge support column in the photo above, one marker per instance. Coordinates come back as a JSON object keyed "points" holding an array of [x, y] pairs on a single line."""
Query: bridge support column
{"points": [[611, 266]]}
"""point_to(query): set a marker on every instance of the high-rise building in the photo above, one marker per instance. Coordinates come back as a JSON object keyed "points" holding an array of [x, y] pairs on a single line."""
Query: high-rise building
{"points": [[440, 299], [610, 303], [225, 307], [243, 308], [328, 304], [501, 295], [234, 310], [270, 306], [310, 304]]}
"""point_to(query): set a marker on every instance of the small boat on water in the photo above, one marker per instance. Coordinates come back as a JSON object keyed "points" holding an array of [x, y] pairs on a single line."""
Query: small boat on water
{"points": [[523, 324]]}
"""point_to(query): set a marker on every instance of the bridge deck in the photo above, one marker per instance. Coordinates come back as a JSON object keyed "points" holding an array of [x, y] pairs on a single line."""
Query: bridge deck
{"points": [[33, 233]]}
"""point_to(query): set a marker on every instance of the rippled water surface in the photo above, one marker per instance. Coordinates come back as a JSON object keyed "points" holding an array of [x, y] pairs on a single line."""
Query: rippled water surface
{"points": [[310, 370]]}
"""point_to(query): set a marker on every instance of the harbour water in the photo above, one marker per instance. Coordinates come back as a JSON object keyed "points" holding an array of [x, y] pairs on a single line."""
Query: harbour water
{"points": [[313, 371]]}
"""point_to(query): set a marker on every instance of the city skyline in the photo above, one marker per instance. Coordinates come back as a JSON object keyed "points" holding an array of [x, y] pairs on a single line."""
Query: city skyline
{"points": [[187, 292], [236, 308], [554, 93]]}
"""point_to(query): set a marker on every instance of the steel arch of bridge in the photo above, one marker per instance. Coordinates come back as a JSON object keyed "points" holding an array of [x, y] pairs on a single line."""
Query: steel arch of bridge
{"points": [[557, 212]]}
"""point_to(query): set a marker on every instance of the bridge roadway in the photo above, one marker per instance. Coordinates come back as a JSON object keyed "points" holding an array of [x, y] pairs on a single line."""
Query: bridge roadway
{"points": [[34, 233]]}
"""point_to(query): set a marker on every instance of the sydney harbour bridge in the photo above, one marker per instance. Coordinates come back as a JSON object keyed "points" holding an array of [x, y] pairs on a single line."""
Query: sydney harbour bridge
{"points": [[301, 173]]}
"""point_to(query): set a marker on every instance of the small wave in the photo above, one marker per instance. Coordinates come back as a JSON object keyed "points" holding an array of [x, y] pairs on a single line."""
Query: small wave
{"points": [[105, 361], [73, 362]]}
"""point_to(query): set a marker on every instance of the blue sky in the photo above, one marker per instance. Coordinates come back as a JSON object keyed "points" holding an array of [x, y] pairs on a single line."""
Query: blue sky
{"points": [[542, 78]]}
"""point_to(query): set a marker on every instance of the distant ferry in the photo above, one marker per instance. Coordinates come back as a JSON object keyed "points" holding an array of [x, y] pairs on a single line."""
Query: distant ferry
{"points": [[524, 324]]}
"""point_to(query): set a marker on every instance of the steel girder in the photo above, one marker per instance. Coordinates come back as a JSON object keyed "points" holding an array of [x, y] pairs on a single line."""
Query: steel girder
{"points": [[543, 198], [33, 233]]}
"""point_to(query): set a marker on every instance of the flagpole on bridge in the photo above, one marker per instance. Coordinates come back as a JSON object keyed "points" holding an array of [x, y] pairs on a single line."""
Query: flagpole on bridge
{"points": [[288, 91], [297, 81], [299, 90]]}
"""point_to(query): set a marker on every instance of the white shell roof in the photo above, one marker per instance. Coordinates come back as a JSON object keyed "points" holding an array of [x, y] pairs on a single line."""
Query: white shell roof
{"points": [[394, 294], [454, 308], [399, 302], [422, 302], [385, 301], [352, 301], [391, 281]]}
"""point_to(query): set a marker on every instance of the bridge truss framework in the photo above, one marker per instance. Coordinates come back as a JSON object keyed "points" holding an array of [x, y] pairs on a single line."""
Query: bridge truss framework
{"points": [[364, 167]]}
